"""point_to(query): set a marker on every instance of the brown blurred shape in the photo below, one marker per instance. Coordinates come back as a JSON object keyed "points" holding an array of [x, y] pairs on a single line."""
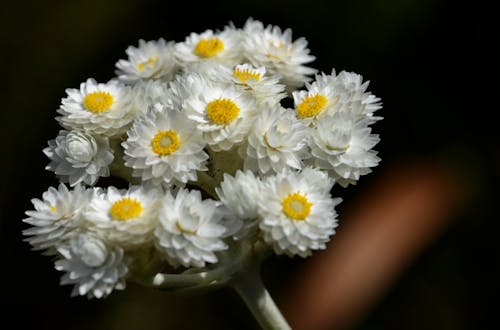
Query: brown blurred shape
{"points": [[379, 236]]}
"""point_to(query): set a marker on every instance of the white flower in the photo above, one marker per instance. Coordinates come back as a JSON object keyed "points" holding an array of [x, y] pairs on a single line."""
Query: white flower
{"points": [[94, 268], [147, 93], [264, 87], [343, 146], [223, 113], [165, 147], [276, 51], [330, 94], [223, 47], [298, 213], [125, 218], [276, 141], [240, 194], [363, 103], [79, 157], [190, 83], [104, 109], [151, 60], [190, 229], [56, 216]]}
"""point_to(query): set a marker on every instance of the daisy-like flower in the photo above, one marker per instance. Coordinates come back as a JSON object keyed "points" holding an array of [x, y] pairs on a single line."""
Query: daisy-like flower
{"points": [[93, 267], [79, 157], [298, 213], [56, 216], [186, 85], [343, 146], [363, 103], [151, 60], [125, 218], [264, 87], [147, 93], [223, 47], [223, 113], [239, 194], [165, 147], [276, 51], [276, 141], [103, 109], [190, 229], [330, 94]]}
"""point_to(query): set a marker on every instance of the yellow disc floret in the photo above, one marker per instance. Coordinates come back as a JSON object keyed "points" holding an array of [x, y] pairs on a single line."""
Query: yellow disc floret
{"points": [[311, 105], [244, 75], [208, 47], [126, 208], [98, 102], [151, 62], [222, 111], [296, 206], [165, 142], [184, 230]]}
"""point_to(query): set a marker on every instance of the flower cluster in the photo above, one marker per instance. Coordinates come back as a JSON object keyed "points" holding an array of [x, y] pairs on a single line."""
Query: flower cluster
{"points": [[212, 157]]}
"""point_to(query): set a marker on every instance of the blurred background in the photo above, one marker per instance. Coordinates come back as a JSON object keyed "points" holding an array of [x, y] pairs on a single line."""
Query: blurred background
{"points": [[417, 245]]}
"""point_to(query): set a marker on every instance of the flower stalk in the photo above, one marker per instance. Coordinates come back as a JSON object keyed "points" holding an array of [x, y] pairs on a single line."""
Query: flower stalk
{"points": [[250, 288]]}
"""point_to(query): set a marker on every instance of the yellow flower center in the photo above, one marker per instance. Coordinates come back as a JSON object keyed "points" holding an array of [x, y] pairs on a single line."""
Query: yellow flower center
{"points": [[165, 142], [53, 208], [184, 230], [266, 141], [98, 102], [311, 105], [151, 62], [276, 43], [296, 206], [126, 208], [244, 75], [274, 57], [222, 111], [342, 148], [208, 47]]}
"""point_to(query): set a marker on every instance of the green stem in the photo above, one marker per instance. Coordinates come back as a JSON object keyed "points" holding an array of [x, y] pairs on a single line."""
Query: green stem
{"points": [[229, 265], [251, 289]]}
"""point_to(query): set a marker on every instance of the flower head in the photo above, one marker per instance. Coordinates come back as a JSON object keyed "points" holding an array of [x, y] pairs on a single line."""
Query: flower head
{"points": [[240, 194], [276, 141], [330, 94], [343, 146], [265, 87], [147, 93], [93, 267], [56, 216], [151, 60], [97, 108], [274, 49], [79, 157], [298, 213], [125, 218], [223, 113], [223, 47], [165, 147], [190, 229]]}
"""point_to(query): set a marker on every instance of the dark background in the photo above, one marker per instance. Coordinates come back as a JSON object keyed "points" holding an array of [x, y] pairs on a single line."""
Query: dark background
{"points": [[429, 61]]}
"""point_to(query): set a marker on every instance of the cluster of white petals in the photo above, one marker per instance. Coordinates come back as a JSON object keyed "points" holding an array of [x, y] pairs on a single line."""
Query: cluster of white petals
{"points": [[211, 157], [78, 157]]}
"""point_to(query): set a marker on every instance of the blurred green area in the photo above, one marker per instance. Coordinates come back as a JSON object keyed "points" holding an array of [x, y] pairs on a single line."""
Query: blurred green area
{"points": [[423, 59]]}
